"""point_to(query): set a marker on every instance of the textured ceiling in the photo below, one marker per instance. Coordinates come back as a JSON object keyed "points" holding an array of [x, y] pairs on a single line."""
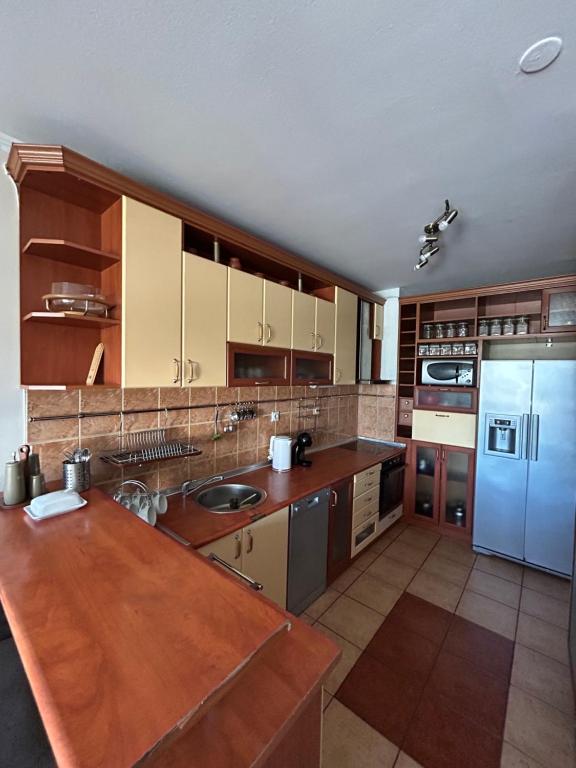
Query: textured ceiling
{"points": [[335, 129]]}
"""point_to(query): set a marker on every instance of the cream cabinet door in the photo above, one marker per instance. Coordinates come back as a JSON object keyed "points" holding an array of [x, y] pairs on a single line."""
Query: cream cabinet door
{"points": [[378, 321], [303, 321], [204, 290], [229, 548], [277, 315], [346, 337], [265, 557], [325, 326], [245, 308], [151, 296], [445, 427]]}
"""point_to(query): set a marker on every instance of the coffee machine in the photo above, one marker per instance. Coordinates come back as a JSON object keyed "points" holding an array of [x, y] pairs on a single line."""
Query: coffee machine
{"points": [[303, 441]]}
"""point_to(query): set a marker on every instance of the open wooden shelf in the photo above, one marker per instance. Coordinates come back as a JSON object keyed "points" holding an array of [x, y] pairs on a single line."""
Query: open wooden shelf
{"points": [[70, 319], [451, 340], [70, 253]]}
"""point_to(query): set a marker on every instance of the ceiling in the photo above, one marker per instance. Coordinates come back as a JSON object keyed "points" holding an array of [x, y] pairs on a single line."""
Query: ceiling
{"points": [[335, 129]]}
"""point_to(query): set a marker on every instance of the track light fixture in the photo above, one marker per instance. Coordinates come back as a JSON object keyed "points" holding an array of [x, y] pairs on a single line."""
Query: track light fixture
{"points": [[430, 237]]}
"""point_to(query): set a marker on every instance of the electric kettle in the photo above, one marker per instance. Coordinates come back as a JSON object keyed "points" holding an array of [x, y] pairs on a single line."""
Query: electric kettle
{"points": [[280, 453]]}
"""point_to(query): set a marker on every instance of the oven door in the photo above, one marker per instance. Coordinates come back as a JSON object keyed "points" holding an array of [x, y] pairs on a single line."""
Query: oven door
{"points": [[391, 489]]}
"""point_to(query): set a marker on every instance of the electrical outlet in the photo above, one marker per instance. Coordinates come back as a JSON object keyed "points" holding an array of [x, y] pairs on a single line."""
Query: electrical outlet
{"points": [[275, 416]]}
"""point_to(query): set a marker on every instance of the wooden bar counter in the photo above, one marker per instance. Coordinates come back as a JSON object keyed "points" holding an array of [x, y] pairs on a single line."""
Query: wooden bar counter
{"points": [[138, 651]]}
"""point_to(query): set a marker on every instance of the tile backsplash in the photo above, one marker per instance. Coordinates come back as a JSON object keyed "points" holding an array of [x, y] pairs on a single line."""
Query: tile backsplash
{"points": [[342, 411]]}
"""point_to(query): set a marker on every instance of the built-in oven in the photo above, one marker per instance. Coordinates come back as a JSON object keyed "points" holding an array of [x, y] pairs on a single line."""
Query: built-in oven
{"points": [[391, 491]]}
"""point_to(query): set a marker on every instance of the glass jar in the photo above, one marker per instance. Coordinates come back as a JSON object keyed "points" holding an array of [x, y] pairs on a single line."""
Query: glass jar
{"points": [[522, 326], [439, 331], [470, 348], [496, 327], [422, 350], [458, 349], [427, 331], [450, 330], [434, 350], [483, 328], [508, 327], [462, 328], [445, 349]]}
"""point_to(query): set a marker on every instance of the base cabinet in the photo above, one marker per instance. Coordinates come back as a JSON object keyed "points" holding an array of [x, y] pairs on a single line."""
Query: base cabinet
{"points": [[260, 551], [339, 529], [440, 486]]}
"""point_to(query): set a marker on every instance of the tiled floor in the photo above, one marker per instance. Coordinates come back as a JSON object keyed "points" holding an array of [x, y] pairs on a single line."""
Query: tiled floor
{"points": [[448, 659]]}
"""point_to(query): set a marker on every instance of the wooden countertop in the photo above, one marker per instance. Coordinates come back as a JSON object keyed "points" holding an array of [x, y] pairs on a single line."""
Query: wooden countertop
{"points": [[199, 526], [127, 638]]}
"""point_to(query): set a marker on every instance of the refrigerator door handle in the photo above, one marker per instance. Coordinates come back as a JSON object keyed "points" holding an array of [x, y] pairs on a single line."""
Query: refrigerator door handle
{"points": [[524, 435], [534, 436]]}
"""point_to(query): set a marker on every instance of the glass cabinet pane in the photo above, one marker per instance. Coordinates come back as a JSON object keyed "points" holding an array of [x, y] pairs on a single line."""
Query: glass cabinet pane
{"points": [[437, 398], [562, 309], [425, 481], [457, 469]]}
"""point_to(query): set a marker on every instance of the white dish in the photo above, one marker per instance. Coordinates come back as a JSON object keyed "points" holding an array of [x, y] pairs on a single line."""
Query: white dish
{"points": [[53, 504]]}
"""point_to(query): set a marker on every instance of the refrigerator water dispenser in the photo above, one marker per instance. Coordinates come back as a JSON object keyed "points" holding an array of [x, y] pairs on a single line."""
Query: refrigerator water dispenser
{"points": [[502, 436]]}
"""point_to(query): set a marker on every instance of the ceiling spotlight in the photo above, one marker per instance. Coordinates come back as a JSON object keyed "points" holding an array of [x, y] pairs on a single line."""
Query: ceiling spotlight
{"points": [[448, 219], [430, 237], [427, 239], [421, 263]]}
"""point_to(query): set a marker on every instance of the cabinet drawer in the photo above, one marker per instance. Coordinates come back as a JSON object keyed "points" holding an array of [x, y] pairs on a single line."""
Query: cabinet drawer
{"points": [[443, 427], [363, 534], [405, 417], [406, 404], [365, 512], [368, 497], [366, 482]]}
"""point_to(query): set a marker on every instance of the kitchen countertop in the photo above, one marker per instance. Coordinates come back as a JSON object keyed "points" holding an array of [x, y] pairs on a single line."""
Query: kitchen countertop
{"points": [[129, 639], [199, 526]]}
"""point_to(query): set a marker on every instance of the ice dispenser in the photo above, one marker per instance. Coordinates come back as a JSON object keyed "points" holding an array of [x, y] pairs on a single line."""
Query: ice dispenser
{"points": [[503, 436]]}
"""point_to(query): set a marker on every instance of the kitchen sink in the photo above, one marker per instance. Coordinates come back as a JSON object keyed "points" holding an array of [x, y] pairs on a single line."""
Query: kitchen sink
{"points": [[229, 498]]}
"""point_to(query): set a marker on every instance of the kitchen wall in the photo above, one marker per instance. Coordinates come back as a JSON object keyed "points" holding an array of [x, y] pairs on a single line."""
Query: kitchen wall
{"points": [[11, 397], [343, 411]]}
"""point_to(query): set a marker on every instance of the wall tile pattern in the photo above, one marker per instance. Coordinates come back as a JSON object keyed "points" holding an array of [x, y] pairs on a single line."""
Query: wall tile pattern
{"points": [[343, 411]]}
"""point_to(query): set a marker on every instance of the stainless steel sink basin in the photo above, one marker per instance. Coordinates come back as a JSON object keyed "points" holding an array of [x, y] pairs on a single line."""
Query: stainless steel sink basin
{"points": [[229, 498]]}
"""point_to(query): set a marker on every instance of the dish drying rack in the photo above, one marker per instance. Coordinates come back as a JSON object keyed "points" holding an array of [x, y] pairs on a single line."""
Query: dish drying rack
{"points": [[148, 446]]}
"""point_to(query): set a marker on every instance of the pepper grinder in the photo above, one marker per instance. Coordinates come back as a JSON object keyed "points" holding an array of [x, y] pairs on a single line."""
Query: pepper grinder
{"points": [[14, 482]]}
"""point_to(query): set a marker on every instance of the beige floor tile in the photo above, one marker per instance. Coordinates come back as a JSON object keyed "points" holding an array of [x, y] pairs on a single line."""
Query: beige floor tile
{"points": [[553, 586], [488, 613], [497, 566], [365, 559], [493, 586], [419, 538], [544, 607], [326, 698], [307, 619], [375, 593], [322, 603], [405, 761], [540, 731], [406, 554], [381, 543], [436, 590], [455, 550], [349, 742], [446, 569], [543, 636], [352, 620], [343, 581], [513, 758], [350, 655], [543, 677], [392, 571]]}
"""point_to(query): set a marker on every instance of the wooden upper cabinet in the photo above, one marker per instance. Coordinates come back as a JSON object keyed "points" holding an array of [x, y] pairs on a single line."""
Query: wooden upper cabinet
{"points": [[377, 321], [559, 309], [325, 326], [245, 308], [151, 290], [346, 337], [277, 315], [204, 287], [303, 321]]}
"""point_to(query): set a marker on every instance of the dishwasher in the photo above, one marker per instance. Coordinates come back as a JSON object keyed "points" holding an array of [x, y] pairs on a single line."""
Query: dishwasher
{"points": [[307, 550]]}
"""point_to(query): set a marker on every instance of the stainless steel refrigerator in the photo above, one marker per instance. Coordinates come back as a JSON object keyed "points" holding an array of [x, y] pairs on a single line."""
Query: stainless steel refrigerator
{"points": [[526, 462]]}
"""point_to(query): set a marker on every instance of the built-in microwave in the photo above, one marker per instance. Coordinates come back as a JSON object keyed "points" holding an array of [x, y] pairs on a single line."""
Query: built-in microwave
{"points": [[449, 372]]}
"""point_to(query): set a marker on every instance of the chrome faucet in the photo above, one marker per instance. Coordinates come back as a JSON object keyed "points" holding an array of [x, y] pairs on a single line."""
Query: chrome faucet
{"points": [[193, 485]]}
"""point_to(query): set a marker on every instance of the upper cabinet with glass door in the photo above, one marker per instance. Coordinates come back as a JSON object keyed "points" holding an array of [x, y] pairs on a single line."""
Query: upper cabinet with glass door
{"points": [[559, 309]]}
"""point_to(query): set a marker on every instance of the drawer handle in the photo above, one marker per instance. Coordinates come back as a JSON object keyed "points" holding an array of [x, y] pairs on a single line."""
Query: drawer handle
{"points": [[442, 415]]}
